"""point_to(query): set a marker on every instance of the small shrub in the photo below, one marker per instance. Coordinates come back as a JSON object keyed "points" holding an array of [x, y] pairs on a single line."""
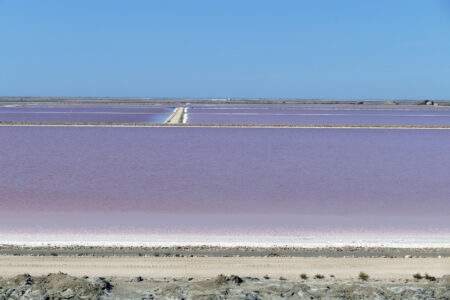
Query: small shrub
{"points": [[282, 278], [430, 278], [273, 254], [156, 254], [363, 276], [319, 276], [417, 276], [266, 277], [332, 276], [236, 279], [303, 276], [54, 254]]}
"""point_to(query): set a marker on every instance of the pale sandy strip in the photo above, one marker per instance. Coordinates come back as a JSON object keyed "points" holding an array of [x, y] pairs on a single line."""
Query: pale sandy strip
{"points": [[204, 267], [176, 117]]}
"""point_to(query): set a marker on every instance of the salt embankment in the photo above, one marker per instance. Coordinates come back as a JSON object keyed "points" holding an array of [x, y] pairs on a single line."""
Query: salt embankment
{"points": [[176, 117]]}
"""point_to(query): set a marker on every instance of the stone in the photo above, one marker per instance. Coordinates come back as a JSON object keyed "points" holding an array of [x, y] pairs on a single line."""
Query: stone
{"points": [[236, 279], [67, 294]]}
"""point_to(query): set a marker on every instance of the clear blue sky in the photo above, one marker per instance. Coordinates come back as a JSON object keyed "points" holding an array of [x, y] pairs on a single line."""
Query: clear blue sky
{"points": [[285, 49]]}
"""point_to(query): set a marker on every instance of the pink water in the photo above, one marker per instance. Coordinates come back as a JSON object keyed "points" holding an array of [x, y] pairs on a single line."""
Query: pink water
{"points": [[353, 115], [224, 180], [85, 114]]}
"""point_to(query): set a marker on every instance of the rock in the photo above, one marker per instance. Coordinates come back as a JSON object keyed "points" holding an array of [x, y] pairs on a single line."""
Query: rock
{"points": [[35, 294], [251, 278], [53, 286], [63, 286], [220, 280], [304, 295], [23, 280], [67, 294], [27, 292], [138, 279], [236, 279], [9, 292], [15, 294]]}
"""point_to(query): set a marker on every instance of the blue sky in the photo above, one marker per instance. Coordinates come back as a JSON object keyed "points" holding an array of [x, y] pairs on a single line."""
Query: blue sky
{"points": [[252, 49]]}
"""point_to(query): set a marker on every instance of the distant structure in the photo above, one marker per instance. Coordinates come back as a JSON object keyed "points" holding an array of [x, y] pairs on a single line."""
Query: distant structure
{"points": [[430, 102]]}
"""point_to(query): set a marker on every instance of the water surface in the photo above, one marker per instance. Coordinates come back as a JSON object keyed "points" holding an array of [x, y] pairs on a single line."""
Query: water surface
{"points": [[88, 114], [233, 182], [318, 116]]}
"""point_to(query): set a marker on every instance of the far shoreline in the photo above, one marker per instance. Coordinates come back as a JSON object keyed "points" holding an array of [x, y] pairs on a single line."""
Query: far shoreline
{"points": [[187, 100]]}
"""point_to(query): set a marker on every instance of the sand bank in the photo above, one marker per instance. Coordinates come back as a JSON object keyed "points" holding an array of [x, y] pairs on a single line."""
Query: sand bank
{"points": [[176, 117], [207, 267]]}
